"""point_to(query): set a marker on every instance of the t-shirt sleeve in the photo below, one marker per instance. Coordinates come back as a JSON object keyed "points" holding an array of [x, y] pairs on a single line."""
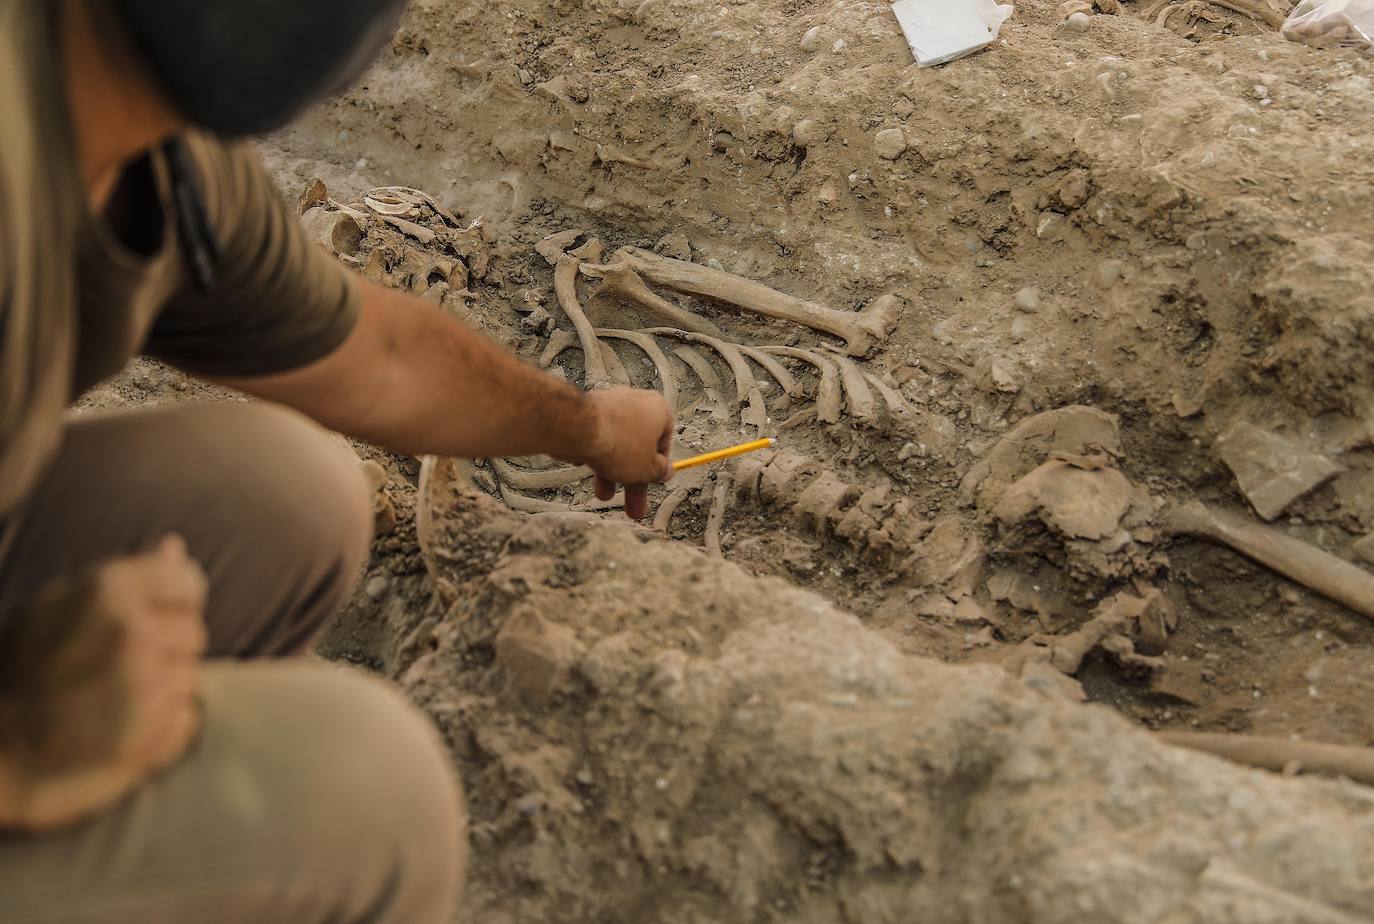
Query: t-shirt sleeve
{"points": [[278, 302]]}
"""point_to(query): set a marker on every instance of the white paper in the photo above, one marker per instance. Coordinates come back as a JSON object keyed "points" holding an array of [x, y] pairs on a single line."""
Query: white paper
{"points": [[942, 30]]}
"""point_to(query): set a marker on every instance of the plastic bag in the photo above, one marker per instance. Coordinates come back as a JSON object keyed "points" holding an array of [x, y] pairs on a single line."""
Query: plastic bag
{"points": [[942, 30], [1332, 24]]}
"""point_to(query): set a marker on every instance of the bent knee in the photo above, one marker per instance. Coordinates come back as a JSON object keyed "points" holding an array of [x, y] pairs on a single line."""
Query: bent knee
{"points": [[370, 773]]}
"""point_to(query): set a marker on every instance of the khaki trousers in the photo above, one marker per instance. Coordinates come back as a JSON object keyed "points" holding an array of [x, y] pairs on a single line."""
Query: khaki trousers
{"points": [[314, 793]]}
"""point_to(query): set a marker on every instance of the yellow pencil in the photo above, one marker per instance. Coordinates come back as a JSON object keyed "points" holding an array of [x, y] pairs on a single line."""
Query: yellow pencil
{"points": [[719, 454]]}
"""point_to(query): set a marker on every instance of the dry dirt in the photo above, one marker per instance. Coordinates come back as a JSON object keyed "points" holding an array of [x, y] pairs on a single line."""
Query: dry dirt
{"points": [[1156, 232]]}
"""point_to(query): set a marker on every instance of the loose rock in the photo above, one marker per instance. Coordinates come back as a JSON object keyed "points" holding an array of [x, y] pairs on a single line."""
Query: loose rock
{"points": [[811, 40], [889, 143], [1028, 300], [1272, 471]]}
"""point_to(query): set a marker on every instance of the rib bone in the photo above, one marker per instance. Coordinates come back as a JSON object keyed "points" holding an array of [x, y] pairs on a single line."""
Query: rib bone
{"points": [[862, 404], [525, 504], [543, 480], [790, 386], [661, 363], [619, 280], [744, 379], [828, 398], [1308, 565], [861, 331], [565, 286]]}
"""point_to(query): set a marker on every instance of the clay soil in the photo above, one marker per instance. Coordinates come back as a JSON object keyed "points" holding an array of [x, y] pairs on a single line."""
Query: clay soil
{"points": [[1166, 222]]}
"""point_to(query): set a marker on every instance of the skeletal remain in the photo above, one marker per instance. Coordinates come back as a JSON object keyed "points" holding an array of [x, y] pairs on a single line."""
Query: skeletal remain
{"points": [[663, 516], [1306, 564], [411, 229], [405, 192], [789, 385], [539, 480], [661, 362], [739, 368], [590, 252], [337, 230], [895, 401], [828, 395], [565, 286], [392, 204], [858, 396], [314, 194], [1282, 754], [554, 246], [526, 504], [716, 518], [559, 341], [710, 380], [861, 331], [615, 369], [619, 280]]}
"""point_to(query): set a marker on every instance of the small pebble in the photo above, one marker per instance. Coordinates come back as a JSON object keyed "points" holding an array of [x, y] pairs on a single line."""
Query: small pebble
{"points": [[811, 40], [1028, 300], [889, 143], [1078, 22], [714, 264], [1020, 329], [377, 587], [1261, 91], [838, 46], [1196, 241]]}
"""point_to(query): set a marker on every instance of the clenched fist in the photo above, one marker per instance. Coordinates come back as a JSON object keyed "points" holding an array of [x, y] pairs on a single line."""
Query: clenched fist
{"points": [[628, 444], [99, 686]]}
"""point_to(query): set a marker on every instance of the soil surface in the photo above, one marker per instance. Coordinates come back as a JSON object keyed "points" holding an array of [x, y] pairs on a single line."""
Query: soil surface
{"points": [[1127, 268]]}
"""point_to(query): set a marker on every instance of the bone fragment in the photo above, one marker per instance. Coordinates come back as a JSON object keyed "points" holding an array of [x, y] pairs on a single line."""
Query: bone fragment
{"points": [[590, 252], [525, 504], [716, 518], [1282, 754], [337, 230], [1299, 561], [315, 193], [615, 369], [861, 331], [565, 286], [661, 362], [411, 229], [664, 515], [828, 395], [542, 480], [895, 401], [619, 280], [858, 396], [755, 412], [559, 341], [554, 246], [1252, 9], [391, 204], [419, 196]]}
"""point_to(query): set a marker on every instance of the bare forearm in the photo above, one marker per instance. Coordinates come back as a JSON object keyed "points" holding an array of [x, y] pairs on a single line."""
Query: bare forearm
{"points": [[452, 390], [417, 380]]}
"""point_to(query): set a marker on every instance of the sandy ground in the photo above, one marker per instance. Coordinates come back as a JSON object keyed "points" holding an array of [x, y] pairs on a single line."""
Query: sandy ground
{"points": [[1158, 224]]}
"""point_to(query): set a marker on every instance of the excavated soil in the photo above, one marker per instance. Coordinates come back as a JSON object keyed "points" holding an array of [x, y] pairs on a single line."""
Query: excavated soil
{"points": [[1132, 270]]}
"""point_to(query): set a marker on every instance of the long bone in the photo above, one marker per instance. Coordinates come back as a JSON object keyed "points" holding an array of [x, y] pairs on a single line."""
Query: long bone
{"points": [[565, 286], [1311, 567], [661, 362], [619, 280], [828, 395], [1276, 754], [543, 480], [861, 331]]}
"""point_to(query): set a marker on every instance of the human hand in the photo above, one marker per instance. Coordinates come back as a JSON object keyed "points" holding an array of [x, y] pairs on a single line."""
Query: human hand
{"points": [[99, 685], [629, 444]]}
